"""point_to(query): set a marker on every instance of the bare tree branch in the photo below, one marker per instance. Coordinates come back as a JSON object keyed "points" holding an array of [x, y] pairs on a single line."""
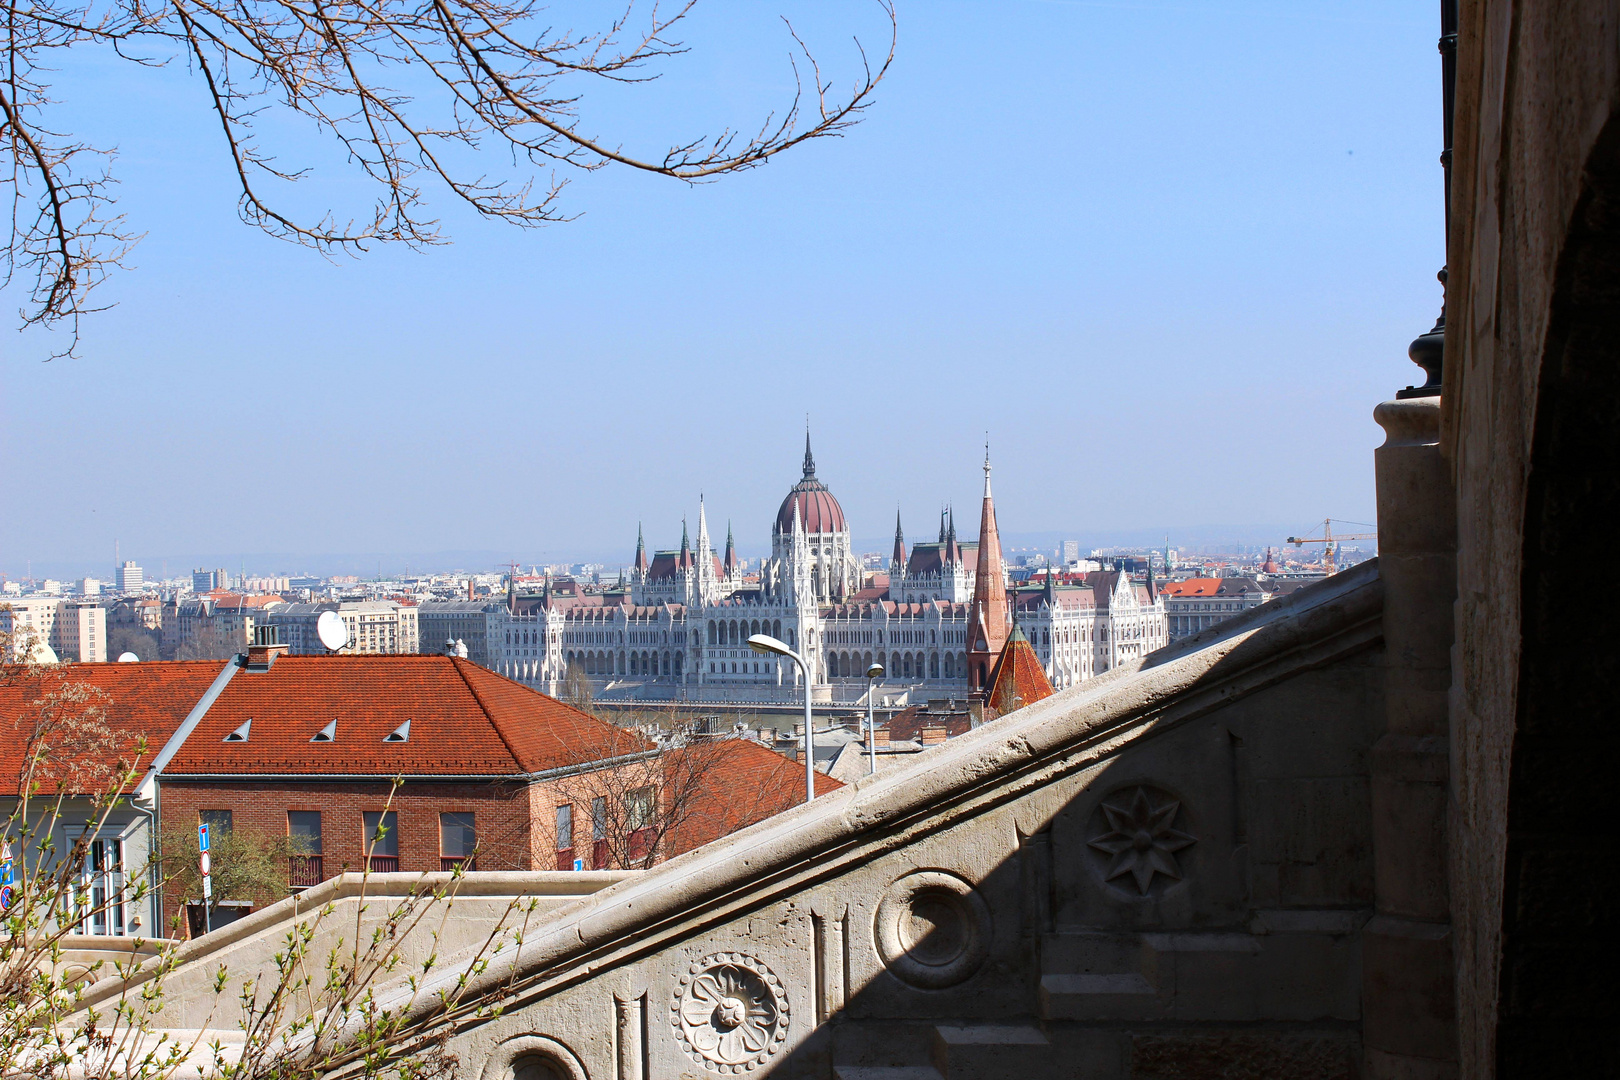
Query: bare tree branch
{"points": [[410, 90]]}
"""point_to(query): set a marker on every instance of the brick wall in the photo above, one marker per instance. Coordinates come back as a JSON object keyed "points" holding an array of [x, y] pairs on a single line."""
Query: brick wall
{"points": [[500, 811]]}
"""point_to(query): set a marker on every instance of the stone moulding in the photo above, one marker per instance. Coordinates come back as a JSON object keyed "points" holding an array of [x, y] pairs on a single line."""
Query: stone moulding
{"points": [[933, 929], [381, 886], [503, 1060], [967, 776]]}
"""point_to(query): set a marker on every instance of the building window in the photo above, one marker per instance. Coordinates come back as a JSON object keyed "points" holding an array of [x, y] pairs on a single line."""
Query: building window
{"points": [[218, 821], [381, 841], [599, 832], [458, 840], [305, 867]]}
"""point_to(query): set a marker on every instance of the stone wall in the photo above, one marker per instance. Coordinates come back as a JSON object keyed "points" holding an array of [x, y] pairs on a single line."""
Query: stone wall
{"points": [[1164, 872], [1533, 266]]}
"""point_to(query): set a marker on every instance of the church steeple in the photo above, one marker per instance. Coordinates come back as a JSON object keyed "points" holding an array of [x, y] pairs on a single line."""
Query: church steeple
{"points": [[987, 618], [897, 562], [685, 559], [730, 564], [809, 458], [641, 550]]}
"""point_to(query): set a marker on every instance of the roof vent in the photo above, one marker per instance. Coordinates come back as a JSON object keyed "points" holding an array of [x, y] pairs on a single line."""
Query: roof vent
{"points": [[399, 734], [241, 733], [326, 734]]}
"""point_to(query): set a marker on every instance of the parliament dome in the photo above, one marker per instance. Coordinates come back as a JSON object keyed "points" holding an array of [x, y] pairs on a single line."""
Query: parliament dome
{"points": [[819, 512]]}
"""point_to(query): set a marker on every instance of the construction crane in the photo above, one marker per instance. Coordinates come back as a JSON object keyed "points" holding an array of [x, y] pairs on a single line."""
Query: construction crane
{"points": [[1331, 551]]}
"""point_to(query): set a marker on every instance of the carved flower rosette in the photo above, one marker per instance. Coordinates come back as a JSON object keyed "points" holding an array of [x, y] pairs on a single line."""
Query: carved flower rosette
{"points": [[730, 1012]]}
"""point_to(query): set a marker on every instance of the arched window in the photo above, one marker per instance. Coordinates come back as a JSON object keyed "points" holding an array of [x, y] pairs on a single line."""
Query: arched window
{"points": [[894, 664], [832, 665], [933, 665], [950, 667], [711, 634], [776, 629], [753, 627]]}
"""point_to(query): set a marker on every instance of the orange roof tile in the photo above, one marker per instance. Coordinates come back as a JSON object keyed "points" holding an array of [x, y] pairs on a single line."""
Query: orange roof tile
{"points": [[1018, 678], [464, 721], [95, 740], [734, 783]]}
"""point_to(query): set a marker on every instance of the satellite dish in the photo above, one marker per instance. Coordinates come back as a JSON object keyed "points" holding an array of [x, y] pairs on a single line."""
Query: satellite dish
{"points": [[330, 629], [128, 658]]}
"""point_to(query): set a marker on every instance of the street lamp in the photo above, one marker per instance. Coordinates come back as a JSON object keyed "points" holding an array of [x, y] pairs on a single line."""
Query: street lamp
{"points": [[764, 644], [873, 673]]}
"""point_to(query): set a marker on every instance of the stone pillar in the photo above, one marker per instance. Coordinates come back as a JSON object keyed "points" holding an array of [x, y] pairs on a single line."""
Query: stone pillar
{"points": [[1408, 995]]}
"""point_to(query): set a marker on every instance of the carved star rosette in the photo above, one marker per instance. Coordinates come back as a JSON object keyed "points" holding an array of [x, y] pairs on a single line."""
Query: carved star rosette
{"points": [[1136, 834], [730, 1012]]}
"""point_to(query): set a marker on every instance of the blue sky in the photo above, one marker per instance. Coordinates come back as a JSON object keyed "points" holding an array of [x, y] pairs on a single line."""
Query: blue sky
{"points": [[1168, 255]]}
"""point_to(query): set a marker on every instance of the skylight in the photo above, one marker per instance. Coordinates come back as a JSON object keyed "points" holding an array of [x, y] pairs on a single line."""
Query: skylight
{"points": [[326, 734], [241, 733], [399, 734]]}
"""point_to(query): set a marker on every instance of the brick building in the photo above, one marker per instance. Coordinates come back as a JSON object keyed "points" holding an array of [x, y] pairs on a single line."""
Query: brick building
{"points": [[310, 746]]}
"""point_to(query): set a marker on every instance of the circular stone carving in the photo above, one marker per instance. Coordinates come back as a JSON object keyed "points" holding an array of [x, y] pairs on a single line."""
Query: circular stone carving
{"points": [[933, 929], [730, 1012], [531, 1057]]}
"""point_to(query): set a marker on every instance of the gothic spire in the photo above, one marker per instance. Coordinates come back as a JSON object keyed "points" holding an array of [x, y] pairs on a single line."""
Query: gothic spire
{"points": [[641, 549], [730, 563], [686, 547], [809, 459], [987, 619], [898, 561]]}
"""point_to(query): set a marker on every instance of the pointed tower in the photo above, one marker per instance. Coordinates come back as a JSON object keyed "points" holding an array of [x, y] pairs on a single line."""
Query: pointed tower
{"points": [[730, 564], [685, 559], [897, 561], [987, 617], [942, 524], [809, 458]]}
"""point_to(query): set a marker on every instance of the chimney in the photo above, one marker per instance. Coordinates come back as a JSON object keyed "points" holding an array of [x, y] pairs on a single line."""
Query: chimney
{"points": [[880, 738], [933, 734], [265, 648]]}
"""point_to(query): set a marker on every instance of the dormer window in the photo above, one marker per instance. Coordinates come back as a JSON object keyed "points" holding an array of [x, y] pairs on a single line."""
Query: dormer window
{"points": [[326, 734], [399, 734], [241, 733]]}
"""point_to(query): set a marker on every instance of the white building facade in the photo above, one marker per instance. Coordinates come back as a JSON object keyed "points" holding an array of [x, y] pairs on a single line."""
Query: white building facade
{"points": [[679, 626]]}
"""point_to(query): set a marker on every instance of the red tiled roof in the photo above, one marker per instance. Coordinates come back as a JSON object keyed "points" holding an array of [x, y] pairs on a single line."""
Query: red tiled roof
{"points": [[733, 784], [1198, 586], [1018, 678], [147, 699], [465, 721], [907, 725]]}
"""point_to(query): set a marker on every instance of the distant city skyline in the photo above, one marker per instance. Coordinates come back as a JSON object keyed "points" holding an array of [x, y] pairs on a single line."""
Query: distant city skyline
{"points": [[1190, 539]]}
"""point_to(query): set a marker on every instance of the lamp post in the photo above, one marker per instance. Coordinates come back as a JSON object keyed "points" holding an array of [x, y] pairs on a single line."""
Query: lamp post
{"points": [[764, 644], [873, 673]]}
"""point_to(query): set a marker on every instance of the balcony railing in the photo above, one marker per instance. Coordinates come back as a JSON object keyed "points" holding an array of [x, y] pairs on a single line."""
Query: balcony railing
{"points": [[448, 863], [384, 864], [304, 871]]}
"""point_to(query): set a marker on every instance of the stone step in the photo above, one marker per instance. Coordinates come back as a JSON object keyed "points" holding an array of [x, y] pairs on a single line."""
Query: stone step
{"points": [[1126, 996], [990, 1051], [886, 1072]]}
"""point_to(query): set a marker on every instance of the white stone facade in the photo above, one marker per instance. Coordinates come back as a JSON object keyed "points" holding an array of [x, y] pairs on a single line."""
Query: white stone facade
{"points": [[679, 626]]}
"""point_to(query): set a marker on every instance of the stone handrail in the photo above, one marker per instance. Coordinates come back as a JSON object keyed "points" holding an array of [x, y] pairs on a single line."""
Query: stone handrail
{"points": [[991, 765]]}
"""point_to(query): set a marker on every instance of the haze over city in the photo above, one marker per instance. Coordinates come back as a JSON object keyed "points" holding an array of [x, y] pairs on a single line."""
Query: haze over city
{"points": [[1164, 255]]}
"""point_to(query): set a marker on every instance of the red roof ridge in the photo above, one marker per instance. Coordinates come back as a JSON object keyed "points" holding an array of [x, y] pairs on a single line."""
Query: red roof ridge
{"points": [[484, 706]]}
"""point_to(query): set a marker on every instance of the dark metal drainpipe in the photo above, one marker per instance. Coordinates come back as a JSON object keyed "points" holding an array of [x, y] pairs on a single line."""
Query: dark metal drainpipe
{"points": [[1428, 351]]}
